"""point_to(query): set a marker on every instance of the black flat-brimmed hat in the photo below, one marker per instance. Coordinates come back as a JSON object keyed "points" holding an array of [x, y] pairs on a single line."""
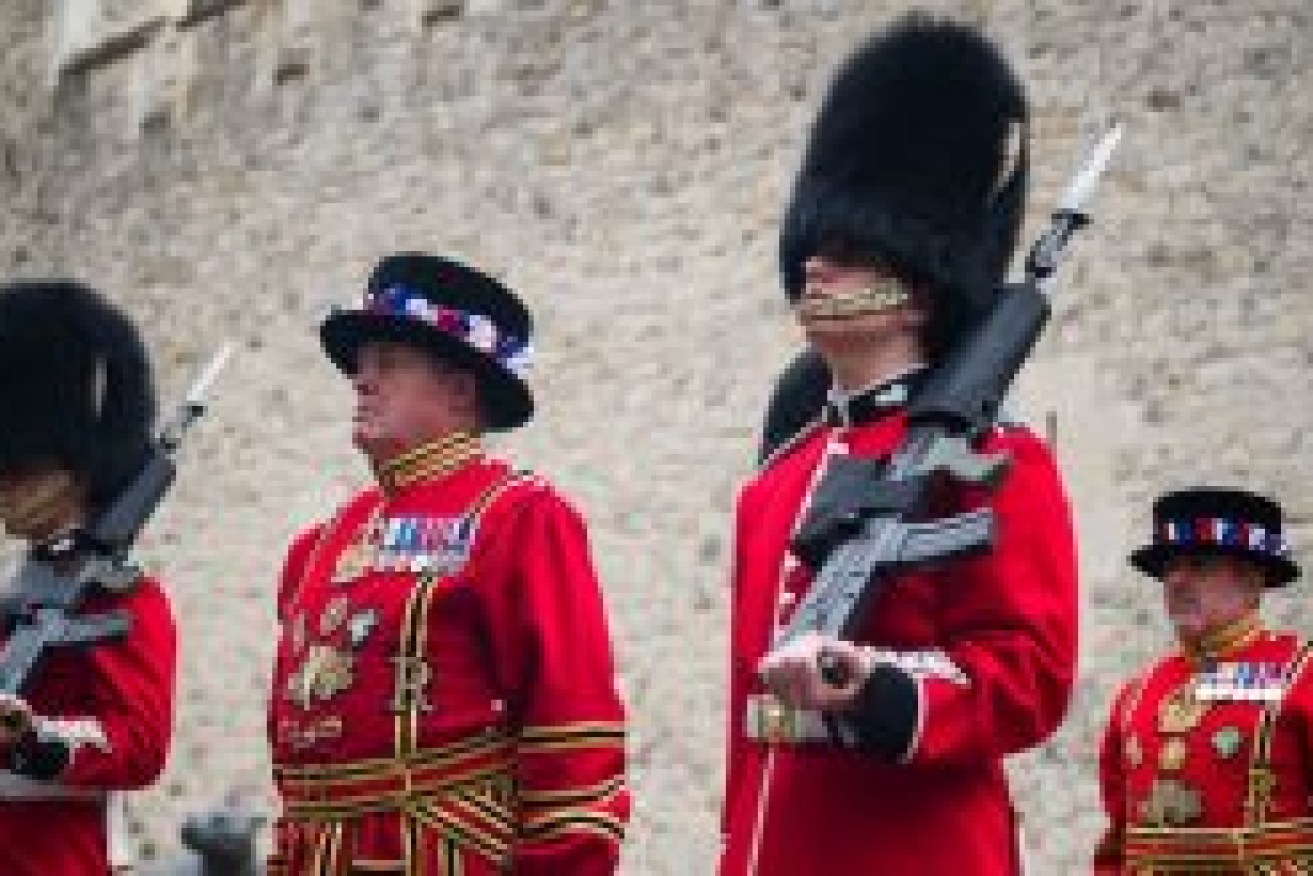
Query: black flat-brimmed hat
{"points": [[1218, 521], [458, 314]]}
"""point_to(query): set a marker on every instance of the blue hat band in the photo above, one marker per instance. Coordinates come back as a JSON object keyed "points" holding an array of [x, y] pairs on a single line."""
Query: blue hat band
{"points": [[1223, 532]]}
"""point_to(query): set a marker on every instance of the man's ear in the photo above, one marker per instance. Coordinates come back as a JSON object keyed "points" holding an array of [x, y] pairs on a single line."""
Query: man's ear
{"points": [[465, 388]]}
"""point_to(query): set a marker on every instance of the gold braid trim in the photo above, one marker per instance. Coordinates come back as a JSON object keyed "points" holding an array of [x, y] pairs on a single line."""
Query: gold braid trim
{"points": [[429, 461], [437, 815], [585, 734], [573, 821], [589, 794], [1216, 644]]}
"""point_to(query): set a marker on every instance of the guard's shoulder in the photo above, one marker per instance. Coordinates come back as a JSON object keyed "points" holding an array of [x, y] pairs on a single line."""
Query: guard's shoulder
{"points": [[1016, 436], [790, 446]]}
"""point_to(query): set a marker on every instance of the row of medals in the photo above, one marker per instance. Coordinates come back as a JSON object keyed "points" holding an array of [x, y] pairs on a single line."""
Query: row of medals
{"points": [[1171, 801]]}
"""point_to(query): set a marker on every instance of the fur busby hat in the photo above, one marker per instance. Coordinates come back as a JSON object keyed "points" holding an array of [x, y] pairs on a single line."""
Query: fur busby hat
{"points": [[1218, 521], [75, 385], [917, 158], [458, 314]]}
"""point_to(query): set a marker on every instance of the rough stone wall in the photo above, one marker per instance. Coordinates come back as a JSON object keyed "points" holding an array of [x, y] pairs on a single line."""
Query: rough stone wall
{"points": [[227, 168]]}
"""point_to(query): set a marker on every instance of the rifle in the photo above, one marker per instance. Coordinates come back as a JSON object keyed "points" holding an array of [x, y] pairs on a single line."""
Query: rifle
{"points": [[55, 580], [868, 517]]}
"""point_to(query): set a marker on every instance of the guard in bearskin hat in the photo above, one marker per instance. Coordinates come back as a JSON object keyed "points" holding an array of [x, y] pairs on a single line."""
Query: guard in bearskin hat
{"points": [[76, 406], [1207, 760], [928, 173], [903, 218], [444, 695]]}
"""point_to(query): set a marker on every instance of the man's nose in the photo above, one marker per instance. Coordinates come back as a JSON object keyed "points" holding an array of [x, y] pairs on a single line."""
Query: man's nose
{"points": [[363, 381]]}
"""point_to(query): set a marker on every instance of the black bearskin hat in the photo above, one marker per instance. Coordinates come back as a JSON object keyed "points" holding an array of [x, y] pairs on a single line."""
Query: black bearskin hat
{"points": [[75, 385], [917, 158]]}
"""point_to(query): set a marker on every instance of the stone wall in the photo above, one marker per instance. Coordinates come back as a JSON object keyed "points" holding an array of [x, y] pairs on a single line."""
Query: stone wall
{"points": [[228, 168]]}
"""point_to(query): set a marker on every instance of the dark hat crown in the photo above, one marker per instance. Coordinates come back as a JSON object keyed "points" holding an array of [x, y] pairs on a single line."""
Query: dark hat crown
{"points": [[76, 388], [917, 157]]}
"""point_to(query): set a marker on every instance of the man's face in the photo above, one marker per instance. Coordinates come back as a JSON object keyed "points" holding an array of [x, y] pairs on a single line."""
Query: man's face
{"points": [[37, 502], [1203, 593], [405, 398], [828, 276]]}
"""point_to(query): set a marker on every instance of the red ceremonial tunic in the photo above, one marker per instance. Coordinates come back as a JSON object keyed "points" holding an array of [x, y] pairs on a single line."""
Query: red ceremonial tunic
{"points": [[113, 701], [1210, 769], [444, 697], [994, 638]]}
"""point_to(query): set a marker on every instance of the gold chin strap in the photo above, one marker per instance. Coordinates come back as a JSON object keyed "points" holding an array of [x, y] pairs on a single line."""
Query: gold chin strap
{"points": [[39, 505], [884, 294]]}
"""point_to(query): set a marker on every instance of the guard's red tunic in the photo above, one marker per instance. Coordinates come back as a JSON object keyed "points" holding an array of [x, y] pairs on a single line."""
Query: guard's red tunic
{"points": [[113, 701], [990, 640], [444, 697], [1211, 769]]}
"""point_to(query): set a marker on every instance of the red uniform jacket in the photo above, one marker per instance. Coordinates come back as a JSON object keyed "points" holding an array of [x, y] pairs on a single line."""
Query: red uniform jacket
{"points": [[1212, 770], [448, 704], [113, 701], [989, 646]]}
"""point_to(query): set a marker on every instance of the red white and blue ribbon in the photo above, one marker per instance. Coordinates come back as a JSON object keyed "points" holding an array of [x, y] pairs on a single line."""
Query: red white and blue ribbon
{"points": [[478, 331], [1223, 532]]}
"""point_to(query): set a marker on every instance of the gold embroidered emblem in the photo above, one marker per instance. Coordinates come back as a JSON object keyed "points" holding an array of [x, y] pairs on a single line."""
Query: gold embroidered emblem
{"points": [[1227, 742], [413, 676], [1181, 712], [310, 735], [1171, 803], [1171, 756], [1132, 751], [353, 562], [323, 674], [361, 625], [335, 614]]}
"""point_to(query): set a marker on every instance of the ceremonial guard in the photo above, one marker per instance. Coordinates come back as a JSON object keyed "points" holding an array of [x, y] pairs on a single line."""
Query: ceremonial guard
{"points": [[1207, 761], [903, 219], [444, 695], [93, 720]]}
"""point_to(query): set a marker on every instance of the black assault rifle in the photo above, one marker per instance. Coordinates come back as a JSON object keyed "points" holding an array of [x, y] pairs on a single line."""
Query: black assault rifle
{"points": [[869, 518], [55, 580]]}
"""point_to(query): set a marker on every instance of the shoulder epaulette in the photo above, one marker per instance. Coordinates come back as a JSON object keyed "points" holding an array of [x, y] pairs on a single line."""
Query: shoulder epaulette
{"points": [[790, 445]]}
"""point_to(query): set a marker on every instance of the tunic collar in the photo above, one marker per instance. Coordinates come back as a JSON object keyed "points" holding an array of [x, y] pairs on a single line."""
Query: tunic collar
{"points": [[429, 461], [1224, 641], [864, 406]]}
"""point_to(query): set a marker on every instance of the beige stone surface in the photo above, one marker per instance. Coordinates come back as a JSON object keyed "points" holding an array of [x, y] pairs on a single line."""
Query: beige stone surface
{"points": [[228, 169]]}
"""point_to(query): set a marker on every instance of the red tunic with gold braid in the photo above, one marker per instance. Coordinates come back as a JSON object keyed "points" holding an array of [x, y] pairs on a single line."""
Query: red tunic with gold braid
{"points": [[1207, 763], [444, 697], [111, 704], [978, 659]]}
